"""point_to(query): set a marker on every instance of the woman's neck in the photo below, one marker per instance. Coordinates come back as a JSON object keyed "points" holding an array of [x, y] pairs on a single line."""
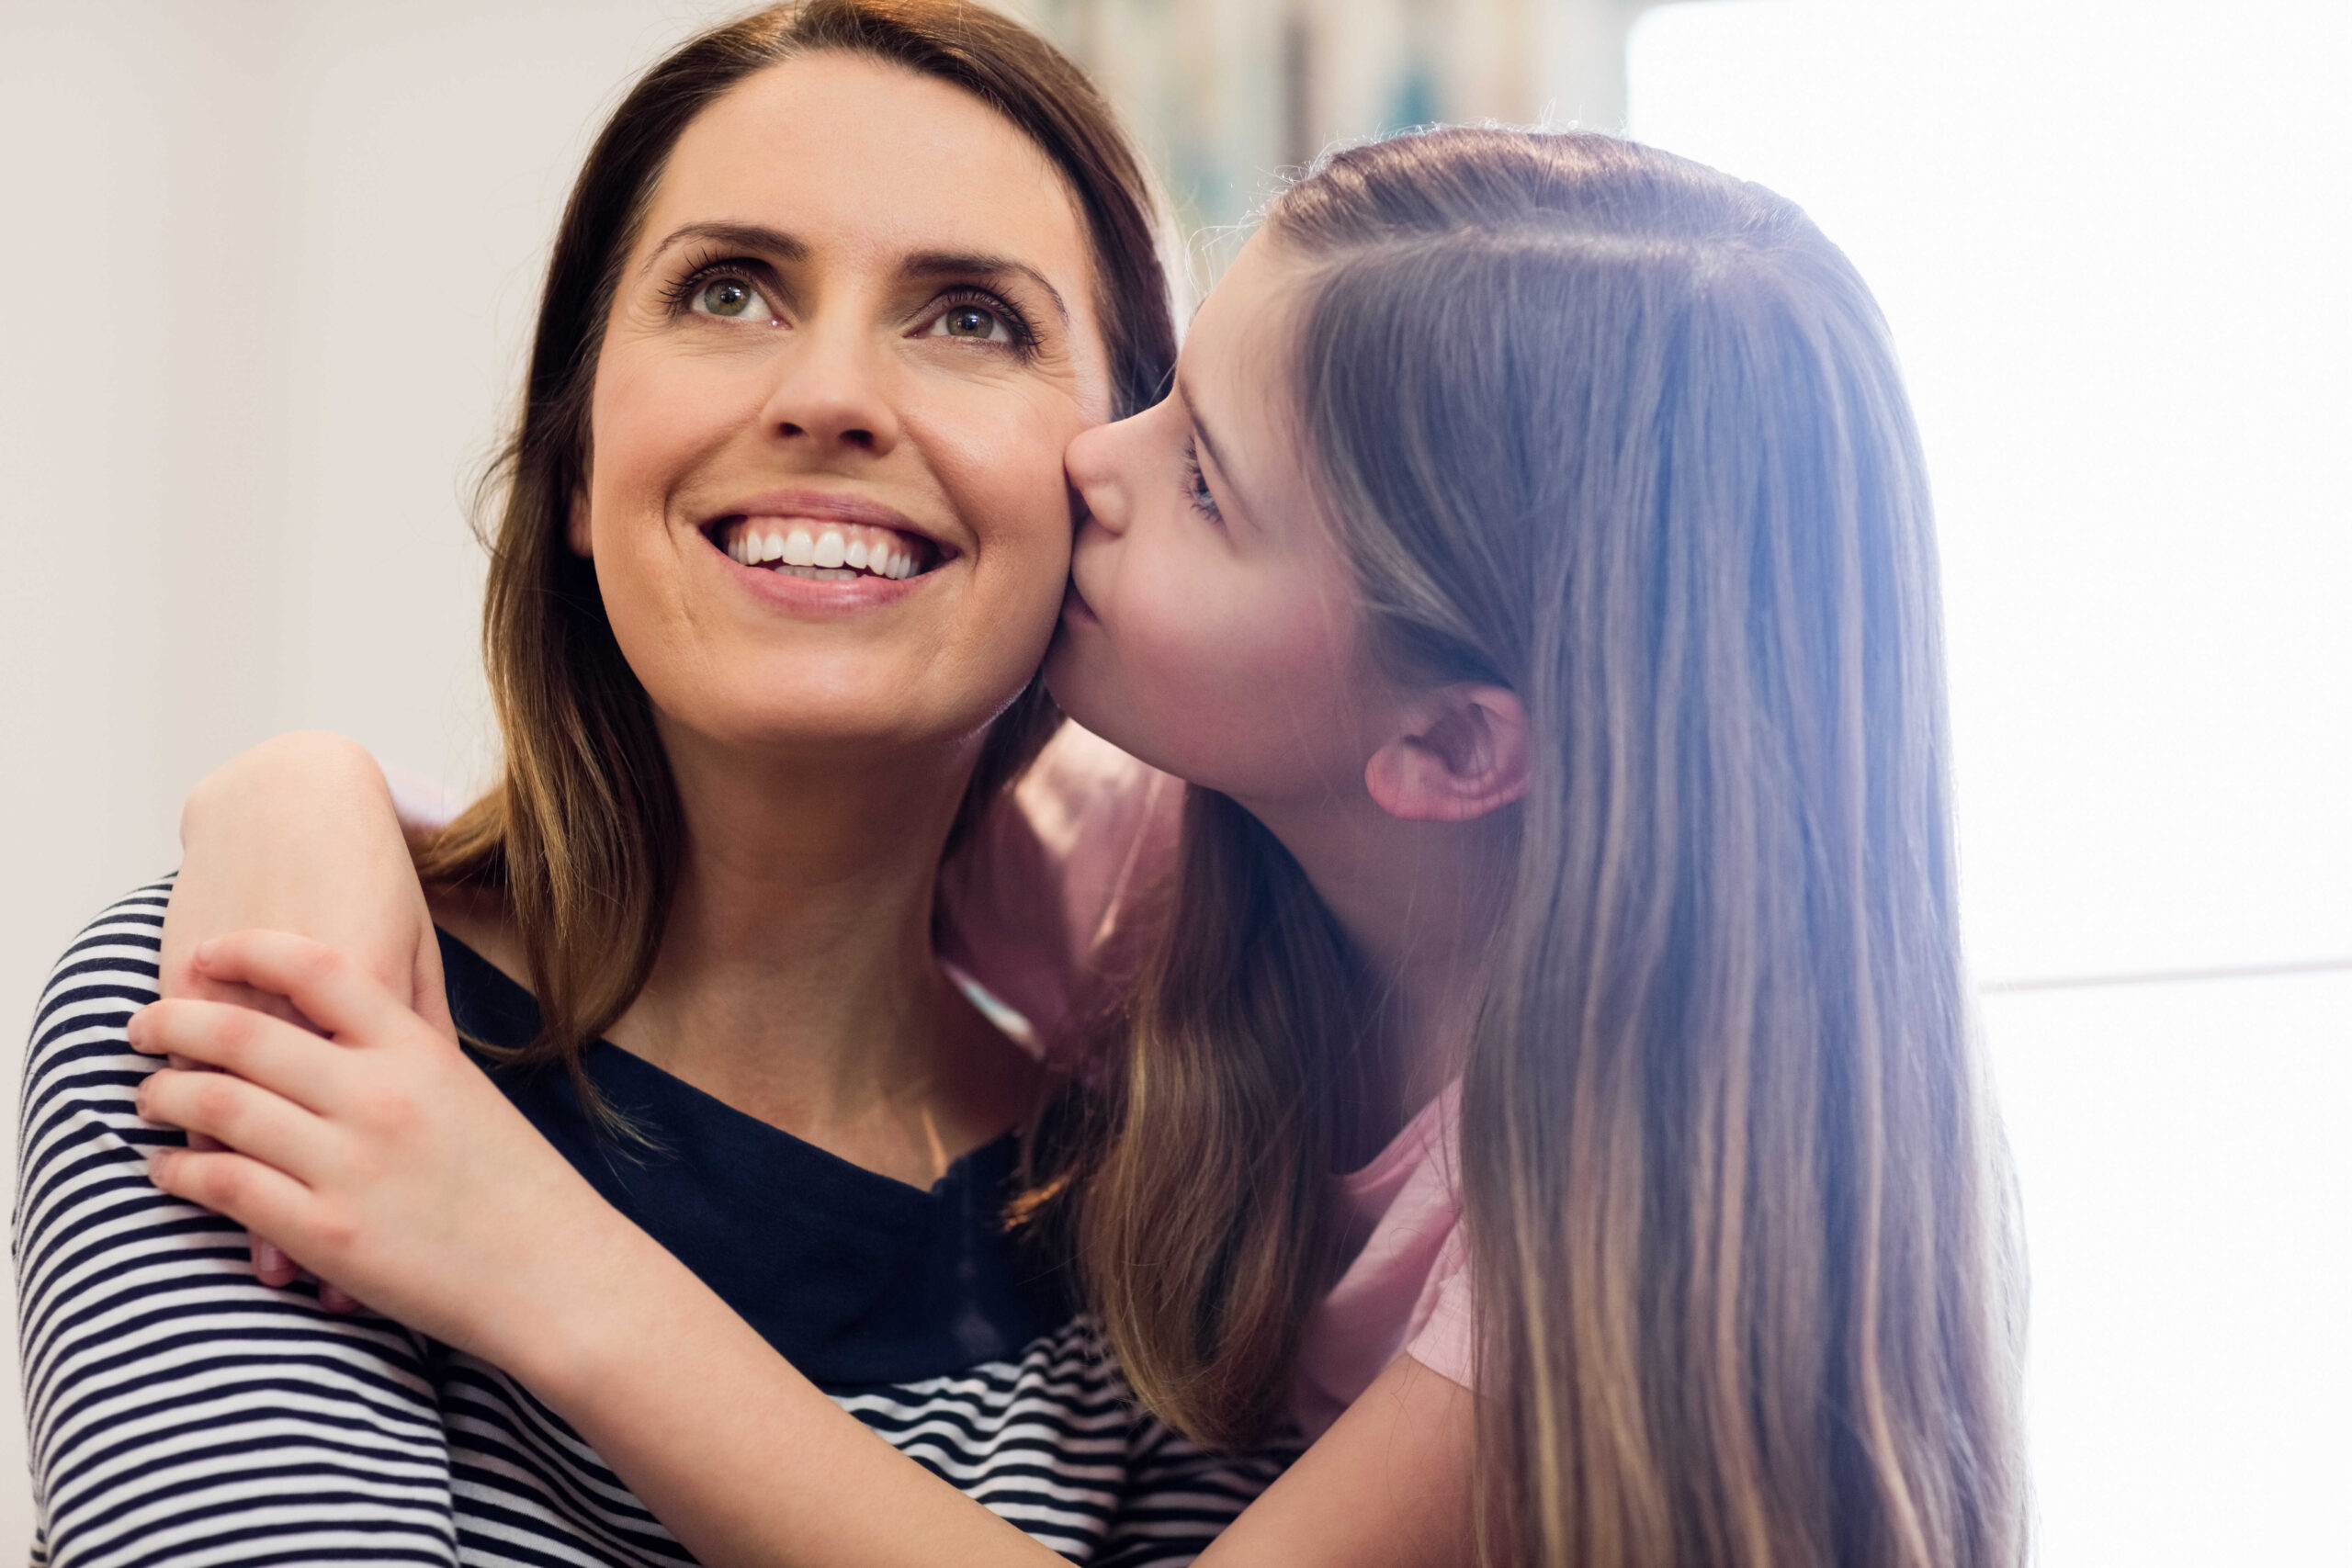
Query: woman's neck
{"points": [[796, 981]]}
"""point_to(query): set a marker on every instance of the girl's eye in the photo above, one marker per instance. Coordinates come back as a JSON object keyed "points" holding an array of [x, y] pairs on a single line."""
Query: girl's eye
{"points": [[1196, 485], [976, 324], [731, 298]]}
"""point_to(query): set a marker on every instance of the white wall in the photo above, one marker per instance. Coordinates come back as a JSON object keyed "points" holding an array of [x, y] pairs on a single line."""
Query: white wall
{"points": [[265, 270]]}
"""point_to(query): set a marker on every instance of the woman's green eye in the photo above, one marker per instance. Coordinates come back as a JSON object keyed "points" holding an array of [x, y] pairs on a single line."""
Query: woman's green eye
{"points": [[974, 322], [726, 297]]}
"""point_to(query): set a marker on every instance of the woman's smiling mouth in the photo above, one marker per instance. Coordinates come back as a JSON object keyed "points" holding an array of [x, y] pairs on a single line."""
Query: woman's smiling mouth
{"points": [[823, 551], [824, 537]]}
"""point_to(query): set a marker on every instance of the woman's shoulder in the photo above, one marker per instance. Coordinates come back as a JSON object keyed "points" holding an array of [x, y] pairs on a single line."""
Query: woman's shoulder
{"points": [[129, 1298], [109, 972]]}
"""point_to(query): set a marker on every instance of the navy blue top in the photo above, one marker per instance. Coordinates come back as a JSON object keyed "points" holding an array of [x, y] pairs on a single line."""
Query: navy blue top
{"points": [[854, 1277]]}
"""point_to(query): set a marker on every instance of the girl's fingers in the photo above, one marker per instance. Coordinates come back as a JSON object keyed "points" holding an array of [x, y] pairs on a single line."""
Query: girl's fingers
{"points": [[271, 1265], [277, 1055], [331, 991], [252, 1121], [336, 1299], [252, 1194]]}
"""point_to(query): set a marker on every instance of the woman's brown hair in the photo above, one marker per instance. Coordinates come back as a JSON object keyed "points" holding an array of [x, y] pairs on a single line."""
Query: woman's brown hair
{"points": [[580, 838], [1626, 436]]}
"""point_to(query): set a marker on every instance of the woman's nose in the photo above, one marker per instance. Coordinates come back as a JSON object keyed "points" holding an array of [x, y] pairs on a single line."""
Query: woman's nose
{"points": [[830, 393]]}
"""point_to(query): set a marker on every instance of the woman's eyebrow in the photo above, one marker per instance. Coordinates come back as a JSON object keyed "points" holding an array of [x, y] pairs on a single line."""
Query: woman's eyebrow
{"points": [[756, 237], [968, 263]]}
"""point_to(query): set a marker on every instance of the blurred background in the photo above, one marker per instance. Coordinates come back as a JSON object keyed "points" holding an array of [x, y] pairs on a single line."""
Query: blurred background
{"points": [[269, 264]]}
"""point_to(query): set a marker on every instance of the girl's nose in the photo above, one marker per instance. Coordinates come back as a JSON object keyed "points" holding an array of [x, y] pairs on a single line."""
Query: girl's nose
{"points": [[1094, 462]]}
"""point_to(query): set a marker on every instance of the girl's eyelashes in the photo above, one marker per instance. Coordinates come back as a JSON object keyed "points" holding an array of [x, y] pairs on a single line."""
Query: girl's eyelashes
{"points": [[1196, 483], [974, 315], [729, 290]]}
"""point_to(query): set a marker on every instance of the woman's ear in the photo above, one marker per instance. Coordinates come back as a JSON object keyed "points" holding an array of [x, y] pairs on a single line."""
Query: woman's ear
{"points": [[1464, 752]]}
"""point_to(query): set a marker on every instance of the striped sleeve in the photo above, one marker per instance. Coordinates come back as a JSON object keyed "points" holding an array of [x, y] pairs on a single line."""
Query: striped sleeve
{"points": [[179, 1410], [1179, 1498]]}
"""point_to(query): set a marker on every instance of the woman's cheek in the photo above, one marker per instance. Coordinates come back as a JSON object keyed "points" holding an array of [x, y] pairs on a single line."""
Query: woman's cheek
{"points": [[1000, 459]]}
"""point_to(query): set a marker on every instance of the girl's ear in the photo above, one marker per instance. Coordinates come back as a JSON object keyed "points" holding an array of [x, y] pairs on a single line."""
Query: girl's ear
{"points": [[576, 526], [1463, 753]]}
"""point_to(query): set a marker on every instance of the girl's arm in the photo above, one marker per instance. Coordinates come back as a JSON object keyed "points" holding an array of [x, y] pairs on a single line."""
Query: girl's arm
{"points": [[369, 1156], [300, 834]]}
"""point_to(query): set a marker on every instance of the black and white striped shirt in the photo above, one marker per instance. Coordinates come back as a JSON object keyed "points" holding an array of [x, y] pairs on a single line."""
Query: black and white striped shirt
{"points": [[182, 1413]]}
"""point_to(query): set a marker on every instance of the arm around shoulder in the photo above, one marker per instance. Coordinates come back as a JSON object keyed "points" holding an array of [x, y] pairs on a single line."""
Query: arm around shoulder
{"points": [[300, 834], [1388, 1486], [176, 1406]]}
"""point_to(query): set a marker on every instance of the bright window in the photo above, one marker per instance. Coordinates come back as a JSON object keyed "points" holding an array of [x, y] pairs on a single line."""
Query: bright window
{"points": [[2112, 237]]}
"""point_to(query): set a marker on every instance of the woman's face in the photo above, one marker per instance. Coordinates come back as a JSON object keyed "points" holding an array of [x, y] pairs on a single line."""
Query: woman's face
{"points": [[826, 502], [1213, 627]]}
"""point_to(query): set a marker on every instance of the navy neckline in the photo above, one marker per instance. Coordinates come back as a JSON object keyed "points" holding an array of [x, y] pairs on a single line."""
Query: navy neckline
{"points": [[855, 1277], [505, 1014]]}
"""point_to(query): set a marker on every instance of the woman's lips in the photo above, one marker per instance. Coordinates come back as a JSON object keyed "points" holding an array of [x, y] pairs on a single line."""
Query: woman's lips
{"points": [[804, 591], [817, 507], [823, 551]]}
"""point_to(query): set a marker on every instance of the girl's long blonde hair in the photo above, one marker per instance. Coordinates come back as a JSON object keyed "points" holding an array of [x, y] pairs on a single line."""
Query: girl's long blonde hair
{"points": [[1625, 435]]}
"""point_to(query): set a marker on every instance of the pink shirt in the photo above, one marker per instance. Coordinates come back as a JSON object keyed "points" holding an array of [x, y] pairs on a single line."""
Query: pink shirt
{"points": [[1039, 910]]}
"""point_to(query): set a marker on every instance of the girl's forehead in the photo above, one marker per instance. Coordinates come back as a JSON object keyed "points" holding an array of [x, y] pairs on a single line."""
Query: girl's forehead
{"points": [[1235, 355]]}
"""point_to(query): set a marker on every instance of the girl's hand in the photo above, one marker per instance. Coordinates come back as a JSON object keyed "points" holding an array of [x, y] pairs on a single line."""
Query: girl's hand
{"points": [[379, 1156], [300, 834]]}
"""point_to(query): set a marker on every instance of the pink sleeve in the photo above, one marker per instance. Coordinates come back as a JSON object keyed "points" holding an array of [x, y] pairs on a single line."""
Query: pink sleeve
{"points": [[1447, 1342], [1040, 906], [422, 805]]}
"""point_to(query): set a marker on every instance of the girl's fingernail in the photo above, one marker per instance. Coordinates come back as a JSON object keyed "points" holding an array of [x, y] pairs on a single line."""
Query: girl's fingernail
{"points": [[158, 1162], [205, 949]]}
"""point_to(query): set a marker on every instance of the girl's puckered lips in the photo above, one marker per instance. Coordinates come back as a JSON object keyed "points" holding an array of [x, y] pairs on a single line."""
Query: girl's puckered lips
{"points": [[1075, 607]]}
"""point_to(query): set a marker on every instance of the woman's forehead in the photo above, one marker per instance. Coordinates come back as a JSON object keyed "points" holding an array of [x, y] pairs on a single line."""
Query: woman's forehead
{"points": [[849, 154]]}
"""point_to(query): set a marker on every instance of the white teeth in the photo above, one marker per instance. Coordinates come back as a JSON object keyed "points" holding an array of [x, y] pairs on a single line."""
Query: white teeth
{"points": [[821, 552]]}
